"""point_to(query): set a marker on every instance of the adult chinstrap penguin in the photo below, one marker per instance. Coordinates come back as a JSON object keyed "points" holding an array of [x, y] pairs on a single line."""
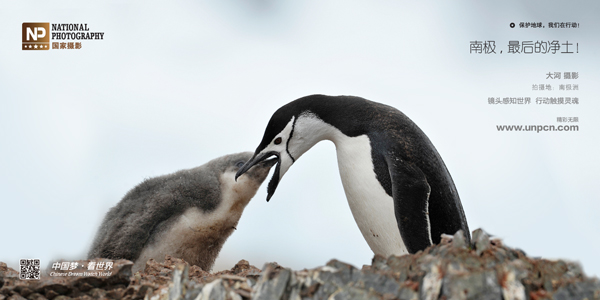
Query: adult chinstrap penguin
{"points": [[397, 185], [188, 214]]}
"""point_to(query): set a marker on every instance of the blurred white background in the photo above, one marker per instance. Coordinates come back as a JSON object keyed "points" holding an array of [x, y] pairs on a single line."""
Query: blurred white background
{"points": [[173, 85]]}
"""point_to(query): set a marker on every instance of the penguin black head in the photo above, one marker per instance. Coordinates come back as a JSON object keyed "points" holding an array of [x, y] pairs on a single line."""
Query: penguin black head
{"points": [[293, 129]]}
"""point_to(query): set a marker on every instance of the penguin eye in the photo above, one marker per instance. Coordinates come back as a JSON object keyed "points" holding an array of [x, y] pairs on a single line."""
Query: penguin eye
{"points": [[239, 164], [277, 141]]}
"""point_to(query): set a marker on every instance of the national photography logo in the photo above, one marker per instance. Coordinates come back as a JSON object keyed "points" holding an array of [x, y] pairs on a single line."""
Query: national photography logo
{"points": [[46, 36], [36, 36]]}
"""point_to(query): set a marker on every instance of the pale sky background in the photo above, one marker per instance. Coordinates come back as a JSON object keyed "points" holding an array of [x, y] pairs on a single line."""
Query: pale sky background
{"points": [[176, 84]]}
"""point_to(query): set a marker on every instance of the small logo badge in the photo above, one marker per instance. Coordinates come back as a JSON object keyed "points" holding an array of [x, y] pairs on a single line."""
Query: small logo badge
{"points": [[36, 36]]}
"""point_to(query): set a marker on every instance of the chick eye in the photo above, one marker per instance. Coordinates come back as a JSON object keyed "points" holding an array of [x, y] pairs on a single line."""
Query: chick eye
{"points": [[277, 141], [239, 164]]}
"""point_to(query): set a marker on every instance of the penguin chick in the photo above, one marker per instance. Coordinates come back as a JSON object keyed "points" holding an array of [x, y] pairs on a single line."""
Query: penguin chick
{"points": [[188, 214]]}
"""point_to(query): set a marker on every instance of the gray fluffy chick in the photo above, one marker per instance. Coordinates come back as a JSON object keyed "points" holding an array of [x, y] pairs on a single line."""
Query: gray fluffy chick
{"points": [[188, 214]]}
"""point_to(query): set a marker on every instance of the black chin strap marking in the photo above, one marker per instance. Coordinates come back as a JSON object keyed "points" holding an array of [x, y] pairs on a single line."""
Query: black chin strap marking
{"points": [[287, 144]]}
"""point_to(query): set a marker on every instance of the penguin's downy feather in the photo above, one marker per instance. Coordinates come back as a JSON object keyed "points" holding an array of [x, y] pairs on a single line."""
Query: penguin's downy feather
{"points": [[144, 210], [189, 213]]}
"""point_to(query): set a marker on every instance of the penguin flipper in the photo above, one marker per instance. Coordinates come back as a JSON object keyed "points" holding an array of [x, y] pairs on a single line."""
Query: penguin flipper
{"points": [[410, 191]]}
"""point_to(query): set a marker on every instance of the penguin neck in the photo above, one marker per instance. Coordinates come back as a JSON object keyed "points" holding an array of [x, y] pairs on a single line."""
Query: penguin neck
{"points": [[311, 129]]}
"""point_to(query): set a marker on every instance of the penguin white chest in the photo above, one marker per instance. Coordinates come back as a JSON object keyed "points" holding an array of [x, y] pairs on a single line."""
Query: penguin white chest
{"points": [[371, 206]]}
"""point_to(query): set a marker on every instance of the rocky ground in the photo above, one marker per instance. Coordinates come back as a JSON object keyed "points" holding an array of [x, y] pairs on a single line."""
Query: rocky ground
{"points": [[486, 269]]}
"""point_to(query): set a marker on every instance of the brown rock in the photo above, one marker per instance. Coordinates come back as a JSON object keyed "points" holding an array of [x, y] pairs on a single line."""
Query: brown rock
{"points": [[16, 297], [25, 291], [36, 296], [245, 269], [115, 293], [5, 271], [440, 271], [197, 273], [97, 293], [50, 294]]}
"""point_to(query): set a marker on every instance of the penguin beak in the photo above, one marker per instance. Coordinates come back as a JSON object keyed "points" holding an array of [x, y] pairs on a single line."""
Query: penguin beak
{"points": [[257, 159]]}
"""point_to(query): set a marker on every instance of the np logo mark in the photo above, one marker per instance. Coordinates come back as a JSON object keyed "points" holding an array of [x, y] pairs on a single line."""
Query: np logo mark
{"points": [[36, 36]]}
